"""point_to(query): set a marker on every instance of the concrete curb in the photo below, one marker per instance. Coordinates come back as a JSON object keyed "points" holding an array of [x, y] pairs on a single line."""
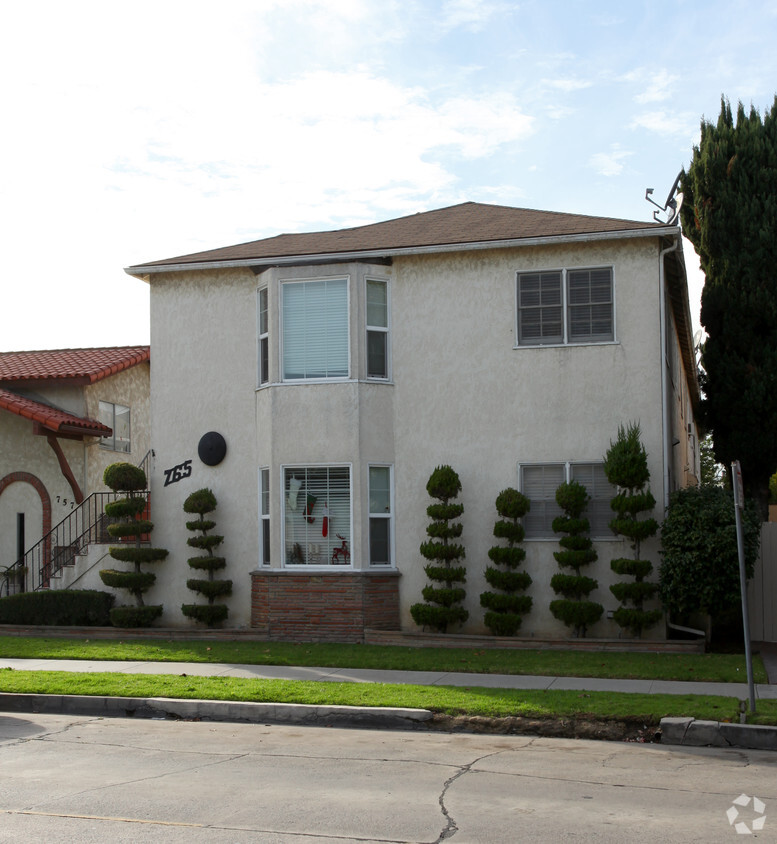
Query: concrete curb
{"points": [[690, 732], [215, 710]]}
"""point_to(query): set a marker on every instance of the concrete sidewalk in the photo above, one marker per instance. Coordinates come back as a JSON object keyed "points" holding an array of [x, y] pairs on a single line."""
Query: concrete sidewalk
{"points": [[415, 678]]}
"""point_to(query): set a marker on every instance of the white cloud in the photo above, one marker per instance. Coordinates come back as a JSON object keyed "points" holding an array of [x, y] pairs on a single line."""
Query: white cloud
{"points": [[665, 123], [470, 14], [567, 85], [609, 163], [658, 85]]}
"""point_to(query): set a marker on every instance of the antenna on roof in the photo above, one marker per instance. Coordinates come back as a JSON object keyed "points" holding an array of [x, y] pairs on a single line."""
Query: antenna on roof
{"points": [[672, 205]]}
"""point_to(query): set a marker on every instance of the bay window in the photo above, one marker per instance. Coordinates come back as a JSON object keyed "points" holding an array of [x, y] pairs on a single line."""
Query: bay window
{"points": [[315, 329], [377, 329], [317, 515], [380, 516]]}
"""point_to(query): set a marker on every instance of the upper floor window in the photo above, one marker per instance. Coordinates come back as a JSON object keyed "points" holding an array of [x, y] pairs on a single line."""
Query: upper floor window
{"points": [[539, 483], [116, 417], [264, 336], [565, 306], [315, 329], [377, 329]]}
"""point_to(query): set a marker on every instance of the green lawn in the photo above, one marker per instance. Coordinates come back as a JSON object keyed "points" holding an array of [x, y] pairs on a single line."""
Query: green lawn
{"points": [[720, 668], [648, 709]]}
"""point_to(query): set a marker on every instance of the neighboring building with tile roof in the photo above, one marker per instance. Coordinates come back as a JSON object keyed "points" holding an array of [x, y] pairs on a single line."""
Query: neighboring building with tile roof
{"points": [[65, 415], [342, 367]]}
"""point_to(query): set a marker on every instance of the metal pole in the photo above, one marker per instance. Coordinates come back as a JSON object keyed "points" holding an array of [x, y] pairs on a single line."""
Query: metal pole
{"points": [[739, 506]]}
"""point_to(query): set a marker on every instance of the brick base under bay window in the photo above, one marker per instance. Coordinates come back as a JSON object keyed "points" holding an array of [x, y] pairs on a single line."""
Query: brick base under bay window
{"points": [[294, 606]]}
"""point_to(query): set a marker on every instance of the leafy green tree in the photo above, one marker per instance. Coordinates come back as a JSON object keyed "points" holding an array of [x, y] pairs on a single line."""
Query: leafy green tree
{"points": [[127, 511], [443, 601], [729, 213], [202, 502], [625, 465], [700, 568], [505, 609], [711, 470], [576, 551]]}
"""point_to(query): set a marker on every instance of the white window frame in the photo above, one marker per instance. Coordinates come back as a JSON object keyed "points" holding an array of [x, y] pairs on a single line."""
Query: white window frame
{"points": [[566, 308], [284, 286], [377, 329], [568, 466], [389, 517], [263, 336], [109, 442], [333, 530], [265, 503]]}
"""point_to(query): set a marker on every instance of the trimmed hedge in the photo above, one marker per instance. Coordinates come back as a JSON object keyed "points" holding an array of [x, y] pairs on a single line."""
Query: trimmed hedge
{"points": [[58, 608]]}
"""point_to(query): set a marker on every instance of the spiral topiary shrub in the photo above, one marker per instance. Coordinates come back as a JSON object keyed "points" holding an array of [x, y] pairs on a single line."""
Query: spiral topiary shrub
{"points": [[505, 609], [625, 465], [576, 551], [202, 502], [443, 601], [124, 477]]}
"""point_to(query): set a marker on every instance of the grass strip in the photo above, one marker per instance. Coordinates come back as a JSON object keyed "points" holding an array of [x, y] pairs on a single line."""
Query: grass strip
{"points": [[649, 708], [715, 668]]}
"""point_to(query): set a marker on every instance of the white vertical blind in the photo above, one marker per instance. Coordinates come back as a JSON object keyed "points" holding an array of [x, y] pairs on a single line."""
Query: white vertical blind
{"points": [[539, 484], [315, 329]]}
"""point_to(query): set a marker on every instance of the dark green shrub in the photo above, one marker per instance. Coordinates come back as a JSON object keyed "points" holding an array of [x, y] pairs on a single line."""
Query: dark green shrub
{"points": [[577, 551], [505, 609], [202, 502], [773, 489], [58, 607], [700, 567], [442, 607], [625, 465], [124, 477], [131, 617]]}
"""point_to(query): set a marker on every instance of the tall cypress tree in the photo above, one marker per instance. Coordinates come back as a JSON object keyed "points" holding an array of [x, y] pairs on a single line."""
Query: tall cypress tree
{"points": [[729, 213]]}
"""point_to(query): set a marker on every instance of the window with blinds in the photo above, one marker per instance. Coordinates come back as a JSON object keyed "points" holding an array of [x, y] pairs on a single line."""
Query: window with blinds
{"points": [[565, 306], [601, 492], [116, 417], [317, 515], [539, 483], [315, 329]]}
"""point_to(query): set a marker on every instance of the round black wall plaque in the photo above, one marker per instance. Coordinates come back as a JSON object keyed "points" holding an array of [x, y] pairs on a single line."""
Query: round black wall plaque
{"points": [[212, 448]]}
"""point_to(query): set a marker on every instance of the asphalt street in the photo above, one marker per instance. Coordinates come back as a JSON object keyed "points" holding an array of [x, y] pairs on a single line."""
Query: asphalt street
{"points": [[88, 779]]}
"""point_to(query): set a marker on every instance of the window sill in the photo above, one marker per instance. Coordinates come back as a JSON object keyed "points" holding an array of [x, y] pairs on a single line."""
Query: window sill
{"points": [[388, 382], [567, 345]]}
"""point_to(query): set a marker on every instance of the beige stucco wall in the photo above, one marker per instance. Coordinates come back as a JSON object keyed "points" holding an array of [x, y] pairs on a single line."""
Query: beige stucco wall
{"points": [[461, 393], [130, 388]]}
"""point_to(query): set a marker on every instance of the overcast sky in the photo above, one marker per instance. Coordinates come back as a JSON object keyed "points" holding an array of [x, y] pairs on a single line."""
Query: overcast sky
{"points": [[138, 131]]}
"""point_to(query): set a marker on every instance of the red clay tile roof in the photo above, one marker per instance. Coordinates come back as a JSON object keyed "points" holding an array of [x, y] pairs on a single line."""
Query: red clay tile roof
{"points": [[75, 366], [470, 222], [50, 418]]}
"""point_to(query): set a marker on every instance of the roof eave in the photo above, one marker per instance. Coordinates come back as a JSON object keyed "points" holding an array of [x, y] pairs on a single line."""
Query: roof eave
{"points": [[144, 271]]}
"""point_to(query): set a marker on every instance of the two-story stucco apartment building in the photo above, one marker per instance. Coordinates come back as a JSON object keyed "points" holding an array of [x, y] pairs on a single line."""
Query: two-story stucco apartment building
{"points": [[341, 367]]}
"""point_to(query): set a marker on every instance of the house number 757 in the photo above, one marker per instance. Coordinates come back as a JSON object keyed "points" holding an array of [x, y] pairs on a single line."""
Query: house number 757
{"points": [[178, 473]]}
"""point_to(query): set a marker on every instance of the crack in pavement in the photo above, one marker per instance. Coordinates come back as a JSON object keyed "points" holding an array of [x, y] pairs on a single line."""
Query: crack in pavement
{"points": [[450, 828]]}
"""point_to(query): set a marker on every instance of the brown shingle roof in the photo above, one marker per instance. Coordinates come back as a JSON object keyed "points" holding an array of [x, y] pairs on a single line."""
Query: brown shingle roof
{"points": [[81, 366], [50, 418], [470, 222]]}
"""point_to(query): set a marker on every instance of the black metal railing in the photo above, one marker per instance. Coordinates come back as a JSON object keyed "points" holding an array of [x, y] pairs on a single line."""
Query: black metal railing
{"points": [[84, 525]]}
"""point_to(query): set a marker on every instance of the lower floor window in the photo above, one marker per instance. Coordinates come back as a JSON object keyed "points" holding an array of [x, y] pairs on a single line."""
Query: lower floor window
{"points": [[539, 483], [380, 516], [317, 515]]}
